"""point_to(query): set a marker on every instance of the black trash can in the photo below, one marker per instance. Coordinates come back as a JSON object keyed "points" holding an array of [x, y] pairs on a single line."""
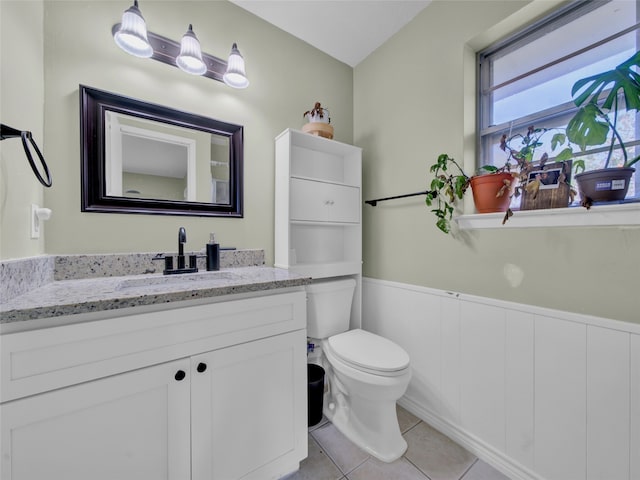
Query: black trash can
{"points": [[315, 392]]}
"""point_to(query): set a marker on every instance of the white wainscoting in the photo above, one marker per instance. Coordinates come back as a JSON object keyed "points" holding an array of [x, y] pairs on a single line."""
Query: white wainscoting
{"points": [[537, 393]]}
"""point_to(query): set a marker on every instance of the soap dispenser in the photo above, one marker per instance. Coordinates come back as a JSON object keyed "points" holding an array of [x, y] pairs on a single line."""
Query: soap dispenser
{"points": [[213, 253]]}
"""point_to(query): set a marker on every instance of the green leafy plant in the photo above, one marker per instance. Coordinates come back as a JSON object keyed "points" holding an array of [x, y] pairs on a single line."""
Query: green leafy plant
{"points": [[447, 187], [521, 148], [591, 124]]}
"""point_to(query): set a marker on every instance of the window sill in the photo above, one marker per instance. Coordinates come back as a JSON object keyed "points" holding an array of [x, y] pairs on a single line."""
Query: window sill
{"points": [[597, 216]]}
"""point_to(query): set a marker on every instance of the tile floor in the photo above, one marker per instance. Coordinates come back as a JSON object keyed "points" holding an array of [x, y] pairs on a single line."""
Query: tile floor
{"points": [[430, 456]]}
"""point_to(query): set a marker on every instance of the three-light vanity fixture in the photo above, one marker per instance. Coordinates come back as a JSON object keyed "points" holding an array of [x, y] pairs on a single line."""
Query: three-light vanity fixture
{"points": [[132, 36]]}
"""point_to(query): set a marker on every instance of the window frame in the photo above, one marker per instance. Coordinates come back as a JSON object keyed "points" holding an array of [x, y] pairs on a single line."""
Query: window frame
{"points": [[618, 215], [484, 70]]}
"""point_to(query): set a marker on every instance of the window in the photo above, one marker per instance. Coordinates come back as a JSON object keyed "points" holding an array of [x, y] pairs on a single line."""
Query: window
{"points": [[526, 79]]}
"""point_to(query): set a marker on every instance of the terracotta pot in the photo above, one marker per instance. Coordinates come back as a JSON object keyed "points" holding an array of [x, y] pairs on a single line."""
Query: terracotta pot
{"points": [[605, 184], [486, 187]]}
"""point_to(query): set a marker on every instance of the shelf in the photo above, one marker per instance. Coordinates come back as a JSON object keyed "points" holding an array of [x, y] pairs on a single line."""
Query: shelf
{"points": [[324, 180], [324, 270], [317, 143], [598, 216], [318, 230], [320, 223]]}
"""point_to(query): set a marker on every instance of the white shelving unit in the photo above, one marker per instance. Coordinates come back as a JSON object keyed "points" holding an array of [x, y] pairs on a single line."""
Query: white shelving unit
{"points": [[318, 204]]}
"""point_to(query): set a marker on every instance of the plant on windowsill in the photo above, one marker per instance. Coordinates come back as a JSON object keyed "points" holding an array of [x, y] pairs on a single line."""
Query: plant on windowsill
{"points": [[592, 125], [541, 184], [493, 187]]}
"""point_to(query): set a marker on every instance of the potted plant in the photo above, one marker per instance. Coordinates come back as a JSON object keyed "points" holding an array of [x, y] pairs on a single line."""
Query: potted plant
{"points": [[491, 187], [597, 119], [541, 184], [319, 121]]}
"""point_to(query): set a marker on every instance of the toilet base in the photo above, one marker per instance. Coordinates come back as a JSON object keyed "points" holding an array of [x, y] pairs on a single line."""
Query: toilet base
{"points": [[374, 428]]}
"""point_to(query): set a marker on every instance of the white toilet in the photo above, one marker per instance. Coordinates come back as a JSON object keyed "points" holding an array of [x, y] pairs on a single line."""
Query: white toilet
{"points": [[366, 373]]}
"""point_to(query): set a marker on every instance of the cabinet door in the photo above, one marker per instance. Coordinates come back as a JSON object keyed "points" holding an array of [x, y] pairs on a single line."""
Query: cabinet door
{"points": [[128, 427], [249, 409], [324, 202]]}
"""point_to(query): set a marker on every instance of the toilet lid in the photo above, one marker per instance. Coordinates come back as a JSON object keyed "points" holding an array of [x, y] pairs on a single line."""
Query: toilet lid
{"points": [[367, 350]]}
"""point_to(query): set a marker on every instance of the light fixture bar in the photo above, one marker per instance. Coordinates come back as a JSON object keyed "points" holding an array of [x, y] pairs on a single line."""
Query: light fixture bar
{"points": [[166, 51]]}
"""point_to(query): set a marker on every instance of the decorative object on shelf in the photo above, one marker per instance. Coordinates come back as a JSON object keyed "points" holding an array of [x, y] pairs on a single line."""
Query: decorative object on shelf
{"points": [[7, 132], [319, 122], [131, 35], [540, 184], [591, 126], [552, 186]]}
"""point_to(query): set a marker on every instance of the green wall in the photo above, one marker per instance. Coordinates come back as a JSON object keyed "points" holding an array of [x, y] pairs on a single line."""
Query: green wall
{"points": [[287, 77], [21, 107], [585, 270]]}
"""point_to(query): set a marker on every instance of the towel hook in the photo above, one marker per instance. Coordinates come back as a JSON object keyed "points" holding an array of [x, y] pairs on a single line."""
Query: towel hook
{"points": [[9, 132]]}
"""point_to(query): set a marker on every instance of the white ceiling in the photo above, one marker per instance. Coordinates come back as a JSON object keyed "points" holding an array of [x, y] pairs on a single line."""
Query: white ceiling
{"points": [[348, 30]]}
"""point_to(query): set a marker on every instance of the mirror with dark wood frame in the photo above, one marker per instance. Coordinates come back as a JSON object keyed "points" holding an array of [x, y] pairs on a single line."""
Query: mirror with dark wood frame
{"points": [[138, 157]]}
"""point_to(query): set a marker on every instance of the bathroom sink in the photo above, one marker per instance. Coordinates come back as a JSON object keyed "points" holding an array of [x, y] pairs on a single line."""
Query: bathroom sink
{"points": [[214, 278]]}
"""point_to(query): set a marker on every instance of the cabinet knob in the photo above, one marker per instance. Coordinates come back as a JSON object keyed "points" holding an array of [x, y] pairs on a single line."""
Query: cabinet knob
{"points": [[201, 367], [180, 374]]}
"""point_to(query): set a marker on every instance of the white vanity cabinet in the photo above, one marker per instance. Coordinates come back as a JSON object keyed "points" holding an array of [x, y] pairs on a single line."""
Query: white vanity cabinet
{"points": [[129, 426], [318, 204], [242, 431], [207, 392]]}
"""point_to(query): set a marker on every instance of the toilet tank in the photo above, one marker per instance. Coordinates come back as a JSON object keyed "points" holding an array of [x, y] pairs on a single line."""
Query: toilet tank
{"points": [[329, 307]]}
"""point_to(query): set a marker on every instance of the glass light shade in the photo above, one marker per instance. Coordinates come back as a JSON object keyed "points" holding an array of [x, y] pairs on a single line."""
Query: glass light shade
{"points": [[235, 75], [132, 35], [190, 58]]}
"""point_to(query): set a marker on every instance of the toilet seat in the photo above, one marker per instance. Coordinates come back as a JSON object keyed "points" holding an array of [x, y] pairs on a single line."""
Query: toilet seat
{"points": [[368, 352]]}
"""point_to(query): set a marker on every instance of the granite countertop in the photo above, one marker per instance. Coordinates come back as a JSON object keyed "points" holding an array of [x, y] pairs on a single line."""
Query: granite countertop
{"points": [[71, 297], [56, 286]]}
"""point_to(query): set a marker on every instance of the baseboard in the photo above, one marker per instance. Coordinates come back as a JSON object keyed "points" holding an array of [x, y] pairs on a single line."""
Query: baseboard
{"points": [[495, 458]]}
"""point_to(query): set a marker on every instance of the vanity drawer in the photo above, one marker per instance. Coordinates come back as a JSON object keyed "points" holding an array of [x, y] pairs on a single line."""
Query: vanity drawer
{"points": [[324, 202], [50, 358]]}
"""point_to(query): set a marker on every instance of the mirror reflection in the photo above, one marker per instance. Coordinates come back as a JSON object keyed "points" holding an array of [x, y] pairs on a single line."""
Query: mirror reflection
{"points": [[145, 158], [148, 159]]}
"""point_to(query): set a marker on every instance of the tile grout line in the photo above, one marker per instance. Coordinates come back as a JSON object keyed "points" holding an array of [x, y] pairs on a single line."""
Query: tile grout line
{"points": [[357, 466], [405, 453], [411, 428], [325, 453], [470, 467], [417, 468]]}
